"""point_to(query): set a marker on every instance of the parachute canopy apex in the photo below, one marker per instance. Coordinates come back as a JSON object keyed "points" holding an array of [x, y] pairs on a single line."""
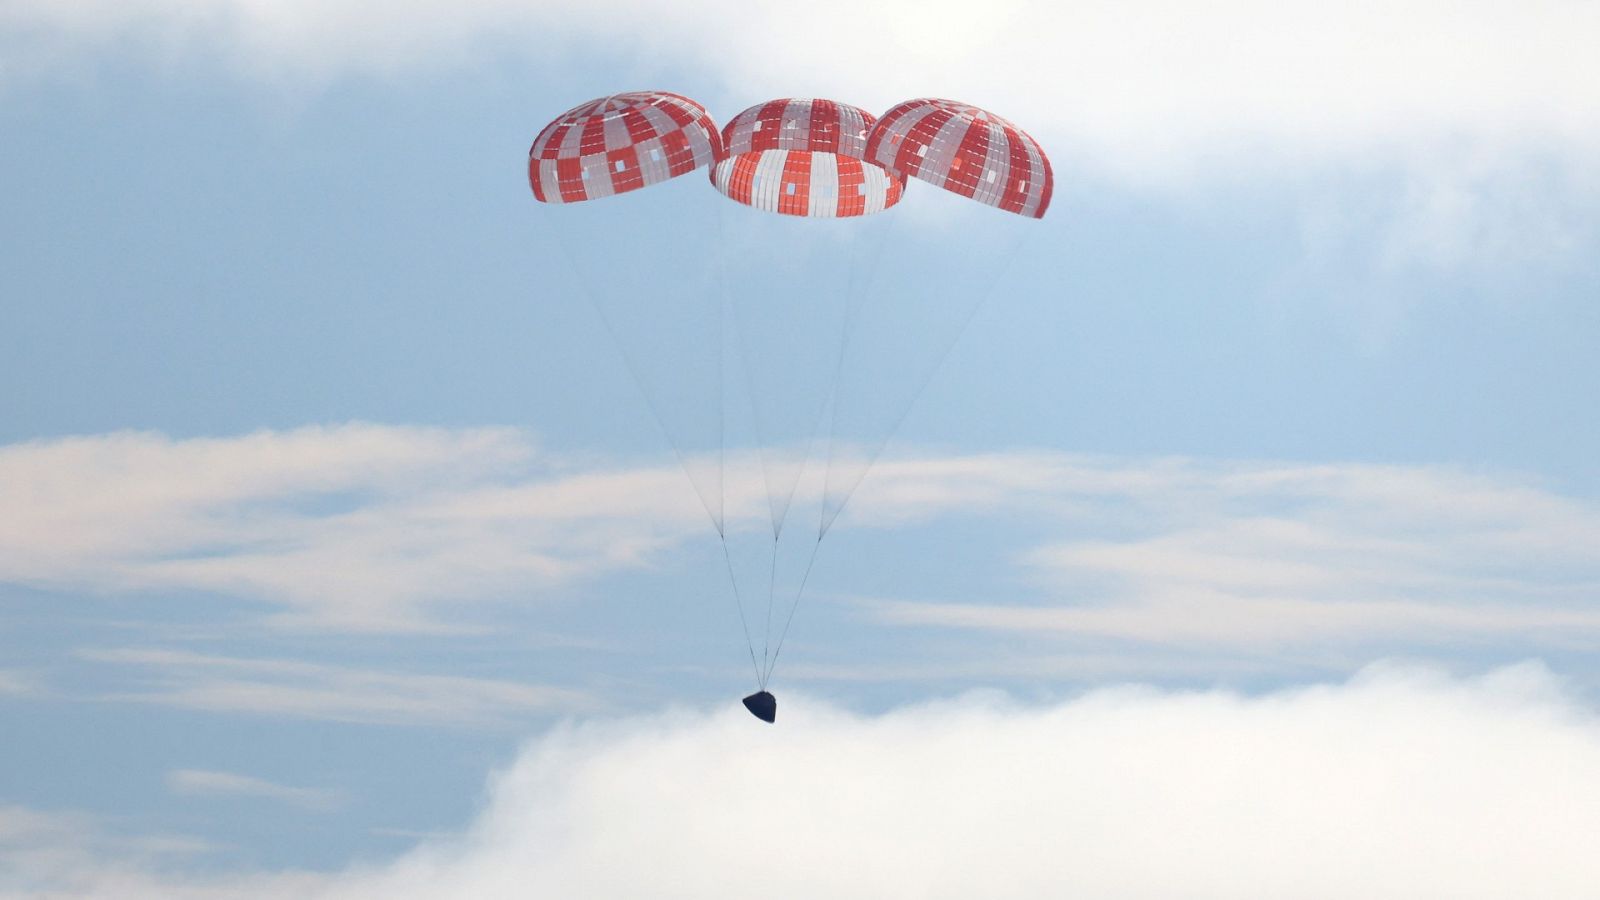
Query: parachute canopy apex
{"points": [[621, 143], [965, 150], [804, 157]]}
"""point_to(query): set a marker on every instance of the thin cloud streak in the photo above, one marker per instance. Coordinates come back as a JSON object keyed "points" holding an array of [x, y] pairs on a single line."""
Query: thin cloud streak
{"points": [[16, 684], [1252, 557], [1217, 620], [213, 783], [297, 689]]}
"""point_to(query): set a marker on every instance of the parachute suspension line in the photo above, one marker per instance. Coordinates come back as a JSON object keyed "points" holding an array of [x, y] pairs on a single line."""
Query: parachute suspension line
{"points": [[722, 418], [860, 295], [794, 606], [855, 297], [772, 581], [778, 512], [739, 604], [723, 301], [1005, 266], [717, 516], [744, 366]]}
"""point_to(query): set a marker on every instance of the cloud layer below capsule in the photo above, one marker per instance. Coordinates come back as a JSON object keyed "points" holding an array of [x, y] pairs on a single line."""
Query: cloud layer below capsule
{"points": [[1480, 786]]}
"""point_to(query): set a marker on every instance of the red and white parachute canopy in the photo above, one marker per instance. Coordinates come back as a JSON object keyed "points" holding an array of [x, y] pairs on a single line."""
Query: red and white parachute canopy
{"points": [[804, 157], [965, 150], [621, 143]]}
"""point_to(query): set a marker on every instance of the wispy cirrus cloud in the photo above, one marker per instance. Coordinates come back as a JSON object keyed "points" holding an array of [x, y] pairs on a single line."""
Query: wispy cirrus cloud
{"points": [[206, 782], [356, 527], [1206, 555], [382, 529], [15, 684], [1203, 619], [297, 689]]}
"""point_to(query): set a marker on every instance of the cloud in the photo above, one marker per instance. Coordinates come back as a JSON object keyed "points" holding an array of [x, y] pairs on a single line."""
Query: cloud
{"points": [[1201, 619], [358, 527], [1427, 137], [1401, 782], [282, 687], [206, 782], [15, 684], [1147, 77], [378, 528], [1261, 555], [53, 853]]}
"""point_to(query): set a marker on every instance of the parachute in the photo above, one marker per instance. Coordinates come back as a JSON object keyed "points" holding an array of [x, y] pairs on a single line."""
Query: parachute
{"points": [[967, 151], [781, 325], [620, 143], [803, 157]]}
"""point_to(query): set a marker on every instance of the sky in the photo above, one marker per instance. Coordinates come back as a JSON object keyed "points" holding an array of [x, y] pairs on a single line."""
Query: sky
{"points": [[1239, 540]]}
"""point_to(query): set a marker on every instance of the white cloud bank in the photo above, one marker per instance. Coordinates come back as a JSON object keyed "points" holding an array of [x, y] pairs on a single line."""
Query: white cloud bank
{"points": [[1401, 783], [1141, 79], [1427, 134]]}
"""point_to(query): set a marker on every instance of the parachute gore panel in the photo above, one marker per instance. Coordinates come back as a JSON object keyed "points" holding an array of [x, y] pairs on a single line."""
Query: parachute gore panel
{"points": [[621, 143], [804, 157], [965, 150]]}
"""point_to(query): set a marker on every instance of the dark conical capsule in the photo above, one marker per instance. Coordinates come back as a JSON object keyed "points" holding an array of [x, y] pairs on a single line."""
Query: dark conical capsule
{"points": [[762, 705]]}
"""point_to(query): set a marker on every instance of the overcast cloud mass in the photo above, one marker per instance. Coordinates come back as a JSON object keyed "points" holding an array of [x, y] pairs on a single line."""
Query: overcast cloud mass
{"points": [[1403, 782]]}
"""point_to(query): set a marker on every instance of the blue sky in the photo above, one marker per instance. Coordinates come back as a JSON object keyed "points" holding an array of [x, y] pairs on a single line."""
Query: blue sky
{"points": [[340, 553]]}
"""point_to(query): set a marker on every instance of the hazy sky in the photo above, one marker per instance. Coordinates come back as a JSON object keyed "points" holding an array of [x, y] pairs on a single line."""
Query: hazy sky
{"points": [[1244, 545]]}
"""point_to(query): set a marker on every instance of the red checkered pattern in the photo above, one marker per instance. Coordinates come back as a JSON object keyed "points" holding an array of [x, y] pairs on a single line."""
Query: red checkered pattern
{"points": [[802, 157], [621, 143], [966, 150], [820, 126]]}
